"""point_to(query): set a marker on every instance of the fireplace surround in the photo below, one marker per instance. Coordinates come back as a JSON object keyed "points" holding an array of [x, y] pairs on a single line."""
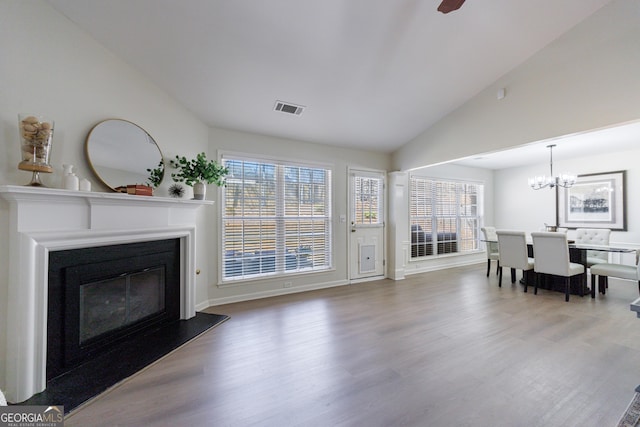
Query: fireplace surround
{"points": [[42, 221]]}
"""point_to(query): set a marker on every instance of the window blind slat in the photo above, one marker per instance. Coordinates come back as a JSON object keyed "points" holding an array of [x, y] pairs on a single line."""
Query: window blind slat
{"points": [[276, 219], [445, 216], [367, 206]]}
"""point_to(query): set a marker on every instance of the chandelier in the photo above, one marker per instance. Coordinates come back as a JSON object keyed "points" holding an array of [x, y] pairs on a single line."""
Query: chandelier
{"points": [[563, 180]]}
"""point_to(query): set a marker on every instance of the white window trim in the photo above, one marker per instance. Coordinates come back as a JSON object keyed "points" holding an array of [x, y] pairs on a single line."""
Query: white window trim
{"points": [[285, 161], [382, 208], [480, 216]]}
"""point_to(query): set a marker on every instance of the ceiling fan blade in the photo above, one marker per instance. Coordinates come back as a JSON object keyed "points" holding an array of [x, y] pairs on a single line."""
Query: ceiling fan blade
{"points": [[450, 5]]}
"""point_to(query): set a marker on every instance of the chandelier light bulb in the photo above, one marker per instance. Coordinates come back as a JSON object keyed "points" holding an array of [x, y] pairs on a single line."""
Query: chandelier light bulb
{"points": [[565, 179]]}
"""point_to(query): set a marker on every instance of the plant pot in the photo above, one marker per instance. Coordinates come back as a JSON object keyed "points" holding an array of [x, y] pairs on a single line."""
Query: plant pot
{"points": [[199, 191]]}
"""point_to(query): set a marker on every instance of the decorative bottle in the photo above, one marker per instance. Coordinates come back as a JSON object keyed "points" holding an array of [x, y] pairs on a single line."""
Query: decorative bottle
{"points": [[85, 184], [71, 181]]}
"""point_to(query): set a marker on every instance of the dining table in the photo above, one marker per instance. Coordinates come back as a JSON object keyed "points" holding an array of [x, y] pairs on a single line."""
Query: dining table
{"points": [[578, 254]]}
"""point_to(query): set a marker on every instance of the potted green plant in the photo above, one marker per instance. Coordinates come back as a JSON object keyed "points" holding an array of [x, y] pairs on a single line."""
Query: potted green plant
{"points": [[196, 172]]}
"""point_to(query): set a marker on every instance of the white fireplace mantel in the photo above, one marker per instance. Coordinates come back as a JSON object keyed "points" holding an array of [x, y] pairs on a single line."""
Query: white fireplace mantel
{"points": [[44, 220]]}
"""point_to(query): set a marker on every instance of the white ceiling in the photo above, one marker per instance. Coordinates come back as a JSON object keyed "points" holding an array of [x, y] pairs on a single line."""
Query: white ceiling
{"points": [[624, 137], [372, 74]]}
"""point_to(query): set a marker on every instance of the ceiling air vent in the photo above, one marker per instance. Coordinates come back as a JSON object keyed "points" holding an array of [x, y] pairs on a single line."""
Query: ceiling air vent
{"points": [[287, 107]]}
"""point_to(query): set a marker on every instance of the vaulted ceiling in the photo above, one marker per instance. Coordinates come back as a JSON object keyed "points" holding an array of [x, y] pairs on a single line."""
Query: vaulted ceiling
{"points": [[370, 74]]}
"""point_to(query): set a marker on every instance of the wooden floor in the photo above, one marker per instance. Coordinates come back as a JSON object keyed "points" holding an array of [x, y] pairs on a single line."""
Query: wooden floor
{"points": [[446, 348]]}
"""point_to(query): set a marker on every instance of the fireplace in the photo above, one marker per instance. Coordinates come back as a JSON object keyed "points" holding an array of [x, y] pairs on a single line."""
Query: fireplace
{"points": [[99, 296], [44, 222]]}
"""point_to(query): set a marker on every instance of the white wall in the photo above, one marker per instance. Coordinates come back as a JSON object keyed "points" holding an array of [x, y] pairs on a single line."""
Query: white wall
{"points": [[50, 67], [339, 159], [519, 207], [586, 79]]}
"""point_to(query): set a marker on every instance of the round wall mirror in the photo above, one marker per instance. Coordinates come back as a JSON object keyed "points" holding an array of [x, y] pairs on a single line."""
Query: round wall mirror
{"points": [[120, 152]]}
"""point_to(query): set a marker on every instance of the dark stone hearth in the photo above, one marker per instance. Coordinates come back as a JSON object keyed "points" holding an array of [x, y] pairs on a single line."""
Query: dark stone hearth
{"points": [[112, 311], [86, 381]]}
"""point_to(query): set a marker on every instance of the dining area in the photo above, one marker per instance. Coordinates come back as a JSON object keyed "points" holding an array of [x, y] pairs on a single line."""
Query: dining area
{"points": [[573, 262]]}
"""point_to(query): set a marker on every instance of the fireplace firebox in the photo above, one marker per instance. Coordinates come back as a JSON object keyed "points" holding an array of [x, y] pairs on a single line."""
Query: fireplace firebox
{"points": [[101, 295]]}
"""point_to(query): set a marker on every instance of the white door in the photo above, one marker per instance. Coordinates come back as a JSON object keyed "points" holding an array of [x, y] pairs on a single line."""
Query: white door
{"points": [[366, 244]]}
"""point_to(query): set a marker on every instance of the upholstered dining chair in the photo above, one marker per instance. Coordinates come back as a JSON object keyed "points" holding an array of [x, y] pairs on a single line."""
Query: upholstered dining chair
{"points": [[605, 270], [594, 236], [513, 254], [491, 239], [551, 252]]}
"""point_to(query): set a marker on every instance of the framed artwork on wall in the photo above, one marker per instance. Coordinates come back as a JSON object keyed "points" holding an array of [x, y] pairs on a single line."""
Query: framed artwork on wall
{"points": [[596, 200]]}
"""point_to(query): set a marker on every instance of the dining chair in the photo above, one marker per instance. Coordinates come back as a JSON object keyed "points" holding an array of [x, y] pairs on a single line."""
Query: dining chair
{"points": [[605, 270], [551, 252], [594, 236], [491, 240], [513, 254]]}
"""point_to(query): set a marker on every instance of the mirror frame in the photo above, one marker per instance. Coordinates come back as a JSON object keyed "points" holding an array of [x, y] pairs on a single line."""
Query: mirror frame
{"points": [[121, 147]]}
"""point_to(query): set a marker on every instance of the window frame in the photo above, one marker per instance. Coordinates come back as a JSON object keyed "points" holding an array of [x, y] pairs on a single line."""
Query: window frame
{"points": [[380, 194], [280, 217], [459, 218]]}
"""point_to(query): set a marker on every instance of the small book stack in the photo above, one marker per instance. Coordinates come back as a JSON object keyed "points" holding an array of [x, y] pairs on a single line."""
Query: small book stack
{"points": [[140, 190]]}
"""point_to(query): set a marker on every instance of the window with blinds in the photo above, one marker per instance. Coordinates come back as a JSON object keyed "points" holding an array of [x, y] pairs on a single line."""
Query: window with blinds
{"points": [[445, 216], [276, 219], [367, 200]]}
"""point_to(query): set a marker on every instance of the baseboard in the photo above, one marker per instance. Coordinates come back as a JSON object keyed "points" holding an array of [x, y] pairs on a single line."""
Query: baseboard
{"points": [[398, 274], [442, 266], [270, 293], [366, 279]]}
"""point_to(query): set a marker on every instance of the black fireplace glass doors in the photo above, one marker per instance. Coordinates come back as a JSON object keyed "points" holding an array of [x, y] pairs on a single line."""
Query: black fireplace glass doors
{"points": [[103, 307], [101, 295], [108, 305]]}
